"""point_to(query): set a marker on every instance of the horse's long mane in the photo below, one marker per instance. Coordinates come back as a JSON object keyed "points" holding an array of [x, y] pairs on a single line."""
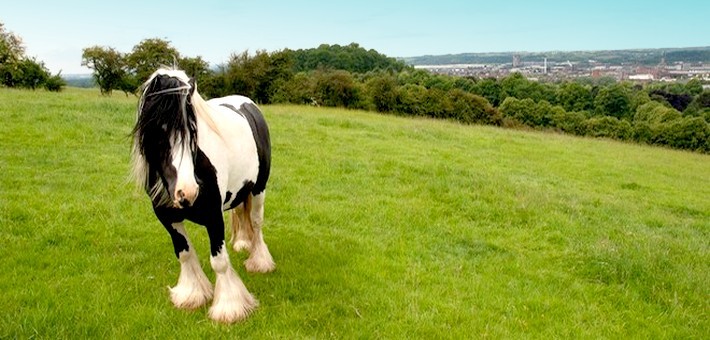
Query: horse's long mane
{"points": [[165, 118]]}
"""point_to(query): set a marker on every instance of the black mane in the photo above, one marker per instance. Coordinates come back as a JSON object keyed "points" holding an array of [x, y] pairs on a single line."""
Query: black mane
{"points": [[165, 118]]}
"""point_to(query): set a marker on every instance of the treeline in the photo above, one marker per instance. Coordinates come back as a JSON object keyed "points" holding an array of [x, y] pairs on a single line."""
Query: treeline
{"points": [[18, 70], [674, 115]]}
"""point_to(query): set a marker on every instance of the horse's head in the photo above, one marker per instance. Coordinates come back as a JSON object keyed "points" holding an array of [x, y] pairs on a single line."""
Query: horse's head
{"points": [[165, 137]]}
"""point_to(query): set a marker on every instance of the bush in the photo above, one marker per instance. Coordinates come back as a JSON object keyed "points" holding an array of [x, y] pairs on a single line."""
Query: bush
{"points": [[613, 101], [54, 83], [383, 93], [516, 109], [690, 133], [470, 108], [337, 88], [609, 127], [642, 132], [436, 104], [570, 122], [654, 112], [411, 99]]}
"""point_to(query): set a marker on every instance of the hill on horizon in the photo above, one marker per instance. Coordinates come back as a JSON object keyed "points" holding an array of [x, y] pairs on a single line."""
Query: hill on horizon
{"points": [[650, 56]]}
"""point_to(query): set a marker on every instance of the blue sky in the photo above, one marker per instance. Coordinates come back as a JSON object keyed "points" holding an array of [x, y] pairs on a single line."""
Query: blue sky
{"points": [[56, 31]]}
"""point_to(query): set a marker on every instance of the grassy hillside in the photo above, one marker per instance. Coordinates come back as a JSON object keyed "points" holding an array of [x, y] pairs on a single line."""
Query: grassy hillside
{"points": [[381, 227]]}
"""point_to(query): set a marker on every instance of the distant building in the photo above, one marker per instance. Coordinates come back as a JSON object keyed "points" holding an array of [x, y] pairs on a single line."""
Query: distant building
{"points": [[641, 77], [516, 61]]}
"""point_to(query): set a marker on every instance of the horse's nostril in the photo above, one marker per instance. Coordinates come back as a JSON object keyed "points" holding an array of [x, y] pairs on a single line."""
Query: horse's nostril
{"points": [[181, 195]]}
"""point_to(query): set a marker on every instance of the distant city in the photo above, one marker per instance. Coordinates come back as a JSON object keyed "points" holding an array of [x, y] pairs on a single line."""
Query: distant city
{"points": [[536, 66]]}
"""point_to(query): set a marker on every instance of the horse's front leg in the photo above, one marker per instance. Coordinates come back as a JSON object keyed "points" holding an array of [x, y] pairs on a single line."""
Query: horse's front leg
{"points": [[193, 289], [232, 301]]}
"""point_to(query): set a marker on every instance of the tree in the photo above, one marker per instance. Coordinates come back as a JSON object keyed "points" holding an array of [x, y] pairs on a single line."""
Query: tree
{"points": [[655, 113], [570, 122], [490, 89], [337, 88], [33, 73], [351, 58], [195, 67], [691, 133], [472, 109], [383, 92], [700, 106], [55, 83], [11, 48], [259, 76], [299, 89], [516, 85], [148, 56], [16, 70], [609, 127], [613, 101], [411, 99], [11, 52], [436, 103], [574, 96], [108, 65], [678, 101], [694, 87], [519, 110]]}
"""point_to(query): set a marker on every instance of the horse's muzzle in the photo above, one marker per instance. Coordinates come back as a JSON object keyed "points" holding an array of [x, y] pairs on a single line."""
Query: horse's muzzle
{"points": [[184, 199]]}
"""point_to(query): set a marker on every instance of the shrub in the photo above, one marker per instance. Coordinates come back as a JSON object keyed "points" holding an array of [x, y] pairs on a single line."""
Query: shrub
{"points": [[654, 112], [609, 127], [411, 99], [383, 93], [570, 122], [642, 132], [517, 109], [470, 108], [54, 83], [691, 133], [337, 88]]}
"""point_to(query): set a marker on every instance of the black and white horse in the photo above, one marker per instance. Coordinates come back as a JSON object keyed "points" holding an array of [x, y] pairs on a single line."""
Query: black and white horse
{"points": [[196, 159]]}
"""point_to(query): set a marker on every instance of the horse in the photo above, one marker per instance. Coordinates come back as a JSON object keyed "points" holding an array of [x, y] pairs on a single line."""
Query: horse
{"points": [[196, 159]]}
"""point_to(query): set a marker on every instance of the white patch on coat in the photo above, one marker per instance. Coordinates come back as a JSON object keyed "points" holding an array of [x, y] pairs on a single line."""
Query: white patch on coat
{"points": [[193, 289], [232, 301], [185, 184]]}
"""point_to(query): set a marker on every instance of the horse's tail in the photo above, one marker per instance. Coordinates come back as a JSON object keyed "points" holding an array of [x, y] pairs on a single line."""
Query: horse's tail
{"points": [[249, 227], [234, 219]]}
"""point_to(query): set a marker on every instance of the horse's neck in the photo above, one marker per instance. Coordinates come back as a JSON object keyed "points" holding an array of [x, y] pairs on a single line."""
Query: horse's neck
{"points": [[205, 113]]}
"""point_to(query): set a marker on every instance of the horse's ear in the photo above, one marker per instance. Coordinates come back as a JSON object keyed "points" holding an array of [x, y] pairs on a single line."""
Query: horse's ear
{"points": [[192, 84]]}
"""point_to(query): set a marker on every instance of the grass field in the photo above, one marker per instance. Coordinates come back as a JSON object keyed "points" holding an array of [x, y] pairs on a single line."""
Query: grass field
{"points": [[381, 227]]}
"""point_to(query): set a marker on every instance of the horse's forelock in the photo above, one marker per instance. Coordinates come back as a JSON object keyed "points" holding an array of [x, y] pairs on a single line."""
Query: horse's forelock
{"points": [[165, 118]]}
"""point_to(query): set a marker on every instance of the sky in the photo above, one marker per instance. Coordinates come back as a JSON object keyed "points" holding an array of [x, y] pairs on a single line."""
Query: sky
{"points": [[56, 32]]}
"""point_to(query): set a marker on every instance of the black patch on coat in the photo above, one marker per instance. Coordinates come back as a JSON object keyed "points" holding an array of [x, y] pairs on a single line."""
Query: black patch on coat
{"points": [[260, 132], [206, 210], [242, 194]]}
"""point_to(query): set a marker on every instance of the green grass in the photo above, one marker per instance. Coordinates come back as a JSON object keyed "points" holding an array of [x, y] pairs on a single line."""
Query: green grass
{"points": [[381, 227]]}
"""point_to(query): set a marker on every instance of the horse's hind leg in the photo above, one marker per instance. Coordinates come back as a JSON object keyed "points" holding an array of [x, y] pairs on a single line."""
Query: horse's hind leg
{"points": [[193, 289], [241, 232], [260, 259]]}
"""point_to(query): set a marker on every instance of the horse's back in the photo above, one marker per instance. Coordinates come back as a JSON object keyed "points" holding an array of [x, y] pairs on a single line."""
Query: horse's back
{"points": [[251, 113]]}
